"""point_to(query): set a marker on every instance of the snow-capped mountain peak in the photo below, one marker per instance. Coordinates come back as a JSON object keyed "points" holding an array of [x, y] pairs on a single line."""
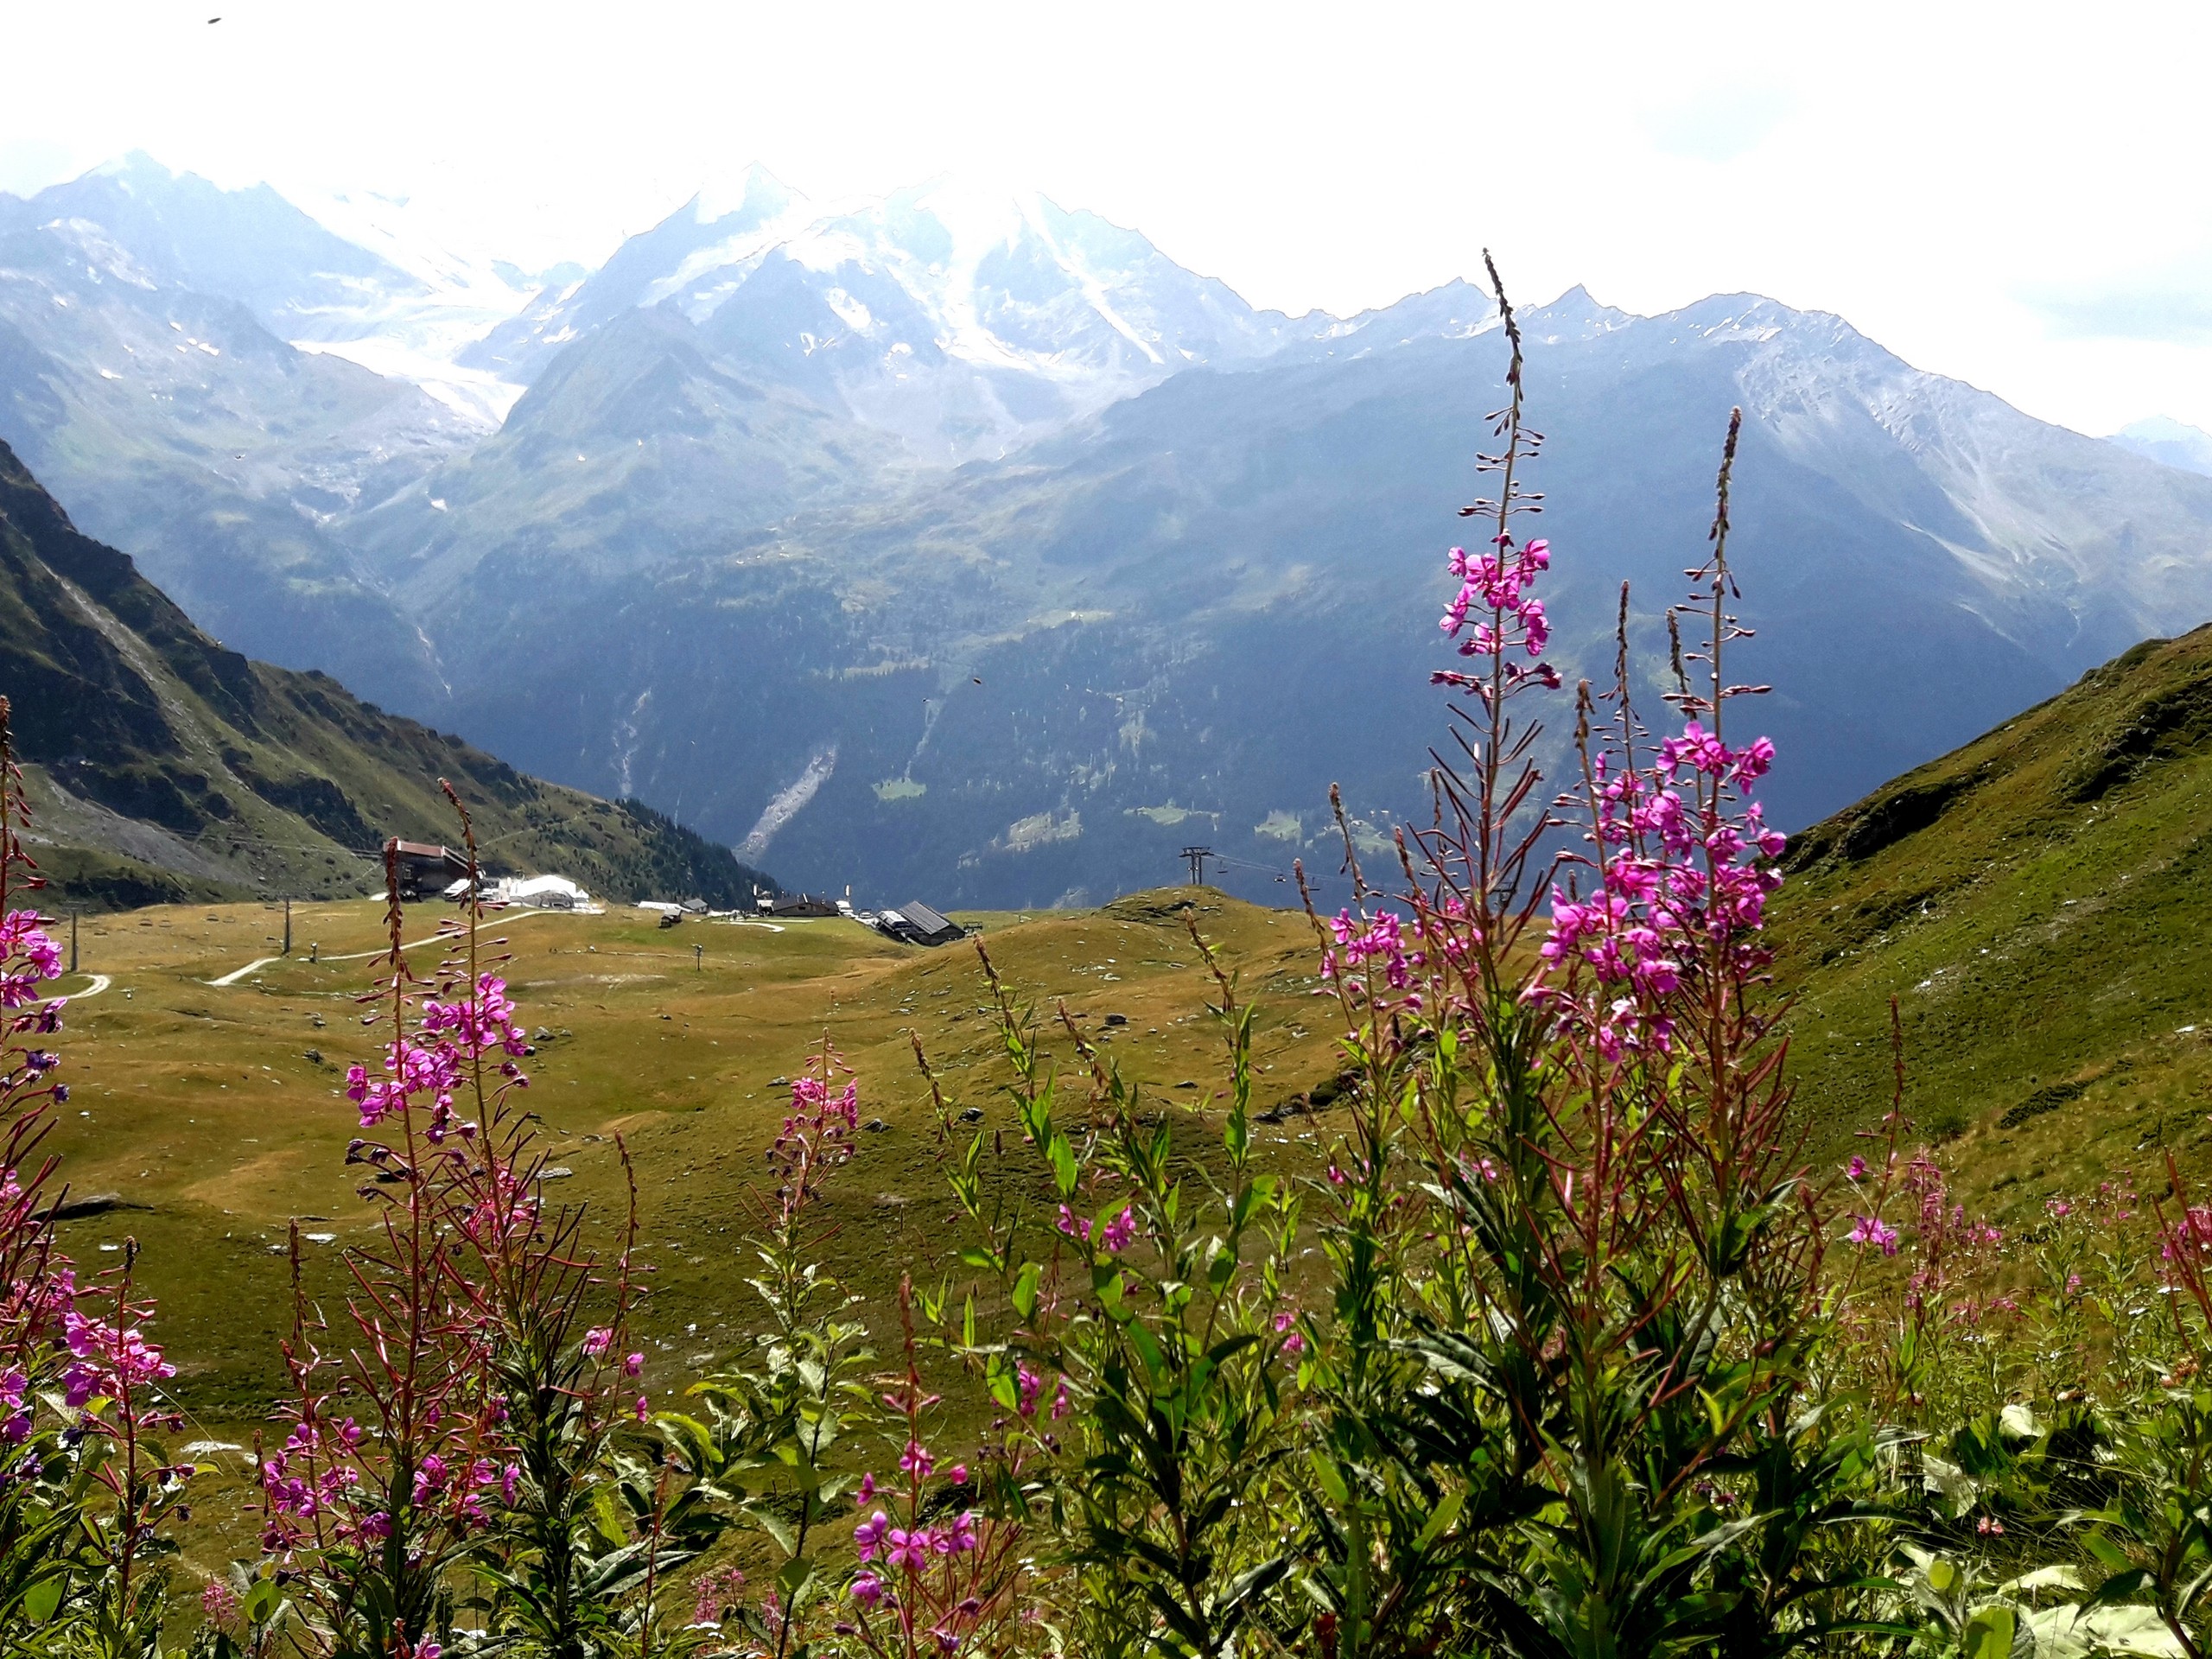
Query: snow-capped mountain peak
{"points": [[752, 196], [963, 318]]}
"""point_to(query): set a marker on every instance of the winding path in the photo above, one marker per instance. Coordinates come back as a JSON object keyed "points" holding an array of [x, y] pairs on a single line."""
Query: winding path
{"points": [[258, 962], [98, 983]]}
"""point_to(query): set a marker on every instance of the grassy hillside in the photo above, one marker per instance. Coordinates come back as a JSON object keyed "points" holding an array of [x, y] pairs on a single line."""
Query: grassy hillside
{"points": [[2040, 903], [164, 767], [210, 1115]]}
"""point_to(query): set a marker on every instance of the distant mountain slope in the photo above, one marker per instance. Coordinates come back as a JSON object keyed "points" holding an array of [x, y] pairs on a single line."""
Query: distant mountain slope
{"points": [[181, 429], [1191, 613], [250, 246], [352, 277], [2171, 442], [2040, 903], [163, 767], [634, 447]]}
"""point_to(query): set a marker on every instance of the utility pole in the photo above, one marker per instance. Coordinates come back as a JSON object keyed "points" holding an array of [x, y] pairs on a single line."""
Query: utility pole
{"points": [[698, 958], [72, 941], [288, 927], [1197, 855]]}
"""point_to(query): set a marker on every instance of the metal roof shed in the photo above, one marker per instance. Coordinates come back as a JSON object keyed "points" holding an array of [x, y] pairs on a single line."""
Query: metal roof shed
{"points": [[925, 926]]}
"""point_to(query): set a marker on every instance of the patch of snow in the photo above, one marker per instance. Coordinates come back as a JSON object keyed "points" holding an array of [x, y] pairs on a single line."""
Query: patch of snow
{"points": [[478, 395]]}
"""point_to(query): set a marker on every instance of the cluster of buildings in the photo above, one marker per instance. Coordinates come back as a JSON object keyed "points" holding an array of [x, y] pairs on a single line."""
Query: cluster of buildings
{"points": [[428, 872], [912, 923]]}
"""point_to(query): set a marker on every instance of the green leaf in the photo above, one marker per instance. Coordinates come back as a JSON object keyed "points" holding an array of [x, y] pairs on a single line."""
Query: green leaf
{"points": [[40, 1600], [2119, 1587], [1063, 1165], [1989, 1634], [1148, 1348], [1441, 1522], [260, 1601], [798, 1570], [775, 1527], [2110, 1555], [1025, 1289], [1331, 1480]]}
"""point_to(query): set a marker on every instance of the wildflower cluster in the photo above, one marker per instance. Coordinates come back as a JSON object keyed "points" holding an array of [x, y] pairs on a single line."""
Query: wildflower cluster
{"points": [[1682, 863], [1494, 590], [424, 1067], [1372, 957], [817, 1132]]}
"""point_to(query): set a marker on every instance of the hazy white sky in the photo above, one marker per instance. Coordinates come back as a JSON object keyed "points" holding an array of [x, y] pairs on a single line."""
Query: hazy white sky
{"points": [[2017, 193]]}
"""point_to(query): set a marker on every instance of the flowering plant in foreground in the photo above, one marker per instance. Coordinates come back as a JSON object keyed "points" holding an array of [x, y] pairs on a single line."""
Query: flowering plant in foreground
{"points": [[1577, 1375], [88, 1485], [940, 1566], [394, 1457]]}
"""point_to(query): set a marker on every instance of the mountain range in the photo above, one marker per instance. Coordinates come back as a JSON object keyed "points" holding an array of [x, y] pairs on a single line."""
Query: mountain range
{"points": [[162, 767], [968, 545]]}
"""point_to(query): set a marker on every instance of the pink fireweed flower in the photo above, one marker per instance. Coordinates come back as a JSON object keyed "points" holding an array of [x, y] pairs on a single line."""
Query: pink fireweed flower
{"points": [[1028, 1385], [916, 1460], [633, 1364], [643, 1409], [868, 1535], [1872, 1230], [481, 1022], [597, 1340], [1075, 1227], [1120, 1231], [716, 1594], [907, 1551], [867, 1590], [961, 1539], [220, 1603], [107, 1359], [1856, 1170]]}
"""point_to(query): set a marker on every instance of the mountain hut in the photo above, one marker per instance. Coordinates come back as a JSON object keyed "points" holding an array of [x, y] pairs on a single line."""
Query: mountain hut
{"points": [[425, 871]]}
